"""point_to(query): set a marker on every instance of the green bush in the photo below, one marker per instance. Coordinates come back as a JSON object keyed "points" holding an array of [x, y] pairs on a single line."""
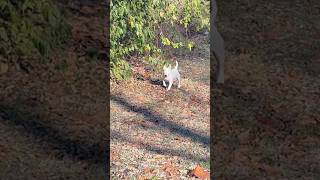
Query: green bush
{"points": [[144, 28], [30, 28]]}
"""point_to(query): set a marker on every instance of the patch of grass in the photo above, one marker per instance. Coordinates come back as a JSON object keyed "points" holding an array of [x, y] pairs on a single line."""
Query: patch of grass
{"points": [[31, 28], [205, 164]]}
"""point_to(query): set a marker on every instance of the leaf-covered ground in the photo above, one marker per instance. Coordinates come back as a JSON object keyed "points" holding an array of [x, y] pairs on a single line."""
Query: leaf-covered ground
{"points": [[151, 127], [267, 122], [53, 113]]}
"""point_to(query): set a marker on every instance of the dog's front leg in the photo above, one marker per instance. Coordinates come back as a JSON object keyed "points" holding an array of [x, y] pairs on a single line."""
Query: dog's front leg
{"points": [[170, 84], [179, 85], [164, 83]]}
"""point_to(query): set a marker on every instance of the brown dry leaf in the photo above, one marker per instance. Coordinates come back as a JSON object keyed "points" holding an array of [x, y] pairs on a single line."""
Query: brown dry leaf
{"points": [[170, 169], [141, 73], [143, 177], [114, 155], [195, 99], [134, 145], [147, 174], [309, 121], [269, 124], [200, 173], [141, 99], [272, 35], [147, 170], [270, 170]]}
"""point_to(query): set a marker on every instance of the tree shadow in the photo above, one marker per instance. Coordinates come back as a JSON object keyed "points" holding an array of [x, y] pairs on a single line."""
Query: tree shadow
{"points": [[162, 151], [162, 122], [31, 124]]}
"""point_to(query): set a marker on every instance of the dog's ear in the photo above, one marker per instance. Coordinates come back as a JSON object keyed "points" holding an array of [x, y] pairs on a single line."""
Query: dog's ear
{"points": [[169, 66], [164, 67]]}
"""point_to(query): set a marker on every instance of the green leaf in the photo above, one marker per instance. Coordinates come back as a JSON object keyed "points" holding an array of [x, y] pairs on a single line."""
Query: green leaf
{"points": [[3, 4], [190, 46], [3, 34]]}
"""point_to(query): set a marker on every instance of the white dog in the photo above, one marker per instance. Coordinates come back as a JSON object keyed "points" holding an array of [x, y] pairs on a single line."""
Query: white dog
{"points": [[171, 75]]}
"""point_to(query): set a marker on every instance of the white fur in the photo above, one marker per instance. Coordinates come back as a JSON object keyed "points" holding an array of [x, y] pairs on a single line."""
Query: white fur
{"points": [[171, 76]]}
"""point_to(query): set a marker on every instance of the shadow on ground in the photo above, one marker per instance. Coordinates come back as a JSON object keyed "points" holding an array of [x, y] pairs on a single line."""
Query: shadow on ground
{"points": [[31, 124], [266, 113], [161, 122], [162, 151]]}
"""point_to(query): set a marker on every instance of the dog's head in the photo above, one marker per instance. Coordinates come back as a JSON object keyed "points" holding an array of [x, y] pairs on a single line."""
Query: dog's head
{"points": [[166, 70]]}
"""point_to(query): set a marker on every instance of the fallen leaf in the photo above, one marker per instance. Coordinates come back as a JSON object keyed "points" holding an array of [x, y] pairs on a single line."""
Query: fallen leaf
{"points": [[199, 172], [147, 170], [271, 125], [114, 155], [147, 174], [271, 171], [158, 157], [143, 178], [170, 169]]}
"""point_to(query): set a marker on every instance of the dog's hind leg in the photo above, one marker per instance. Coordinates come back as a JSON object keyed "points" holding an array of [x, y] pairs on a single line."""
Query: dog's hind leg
{"points": [[170, 84]]}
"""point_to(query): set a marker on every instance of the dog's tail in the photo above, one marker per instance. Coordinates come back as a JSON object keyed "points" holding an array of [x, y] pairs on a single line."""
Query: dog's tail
{"points": [[176, 65]]}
